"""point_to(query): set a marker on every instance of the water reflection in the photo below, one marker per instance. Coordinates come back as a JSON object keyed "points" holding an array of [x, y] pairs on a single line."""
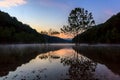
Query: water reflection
{"points": [[108, 55], [12, 56], [81, 68], [49, 55], [41, 68], [59, 62]]}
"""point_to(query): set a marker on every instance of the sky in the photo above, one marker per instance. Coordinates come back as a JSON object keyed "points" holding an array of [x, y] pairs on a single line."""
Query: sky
{"points": [[46, 14]]}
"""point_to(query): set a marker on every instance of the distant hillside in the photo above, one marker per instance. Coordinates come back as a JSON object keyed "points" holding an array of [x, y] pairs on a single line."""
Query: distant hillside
{"points": [[108, 32], [53, 39], [14, 31]]}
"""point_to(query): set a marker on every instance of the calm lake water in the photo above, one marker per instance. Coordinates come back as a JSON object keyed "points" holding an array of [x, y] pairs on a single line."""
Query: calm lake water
{"points": [[59, 62]]}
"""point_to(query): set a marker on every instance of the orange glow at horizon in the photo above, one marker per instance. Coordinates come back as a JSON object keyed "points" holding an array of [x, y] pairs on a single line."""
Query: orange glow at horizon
{"points": [[62, 35], [39, 29]]}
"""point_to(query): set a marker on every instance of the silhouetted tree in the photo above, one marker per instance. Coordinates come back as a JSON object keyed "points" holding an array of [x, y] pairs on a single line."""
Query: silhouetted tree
{"points": [[50, 32], [44, 32], [79, 20]]}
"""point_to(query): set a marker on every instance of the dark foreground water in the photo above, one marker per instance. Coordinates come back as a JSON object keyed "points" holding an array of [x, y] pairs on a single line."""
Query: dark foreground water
{"points": [[59, 62]]}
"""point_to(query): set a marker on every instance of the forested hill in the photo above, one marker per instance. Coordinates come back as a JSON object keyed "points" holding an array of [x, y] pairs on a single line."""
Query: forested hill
{"points": [[108, 32], [14, 31]]}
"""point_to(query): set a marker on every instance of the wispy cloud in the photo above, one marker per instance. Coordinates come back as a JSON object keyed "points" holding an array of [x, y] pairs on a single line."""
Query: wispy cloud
{"points": [[53, 3], [11, 3]]}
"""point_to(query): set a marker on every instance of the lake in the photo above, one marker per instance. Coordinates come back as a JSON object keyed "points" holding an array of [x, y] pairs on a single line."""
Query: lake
{"points": [[59, 62]]}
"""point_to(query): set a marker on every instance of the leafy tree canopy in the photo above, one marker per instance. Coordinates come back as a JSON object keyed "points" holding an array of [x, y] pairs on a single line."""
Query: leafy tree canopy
{"points": [[79, 20]]}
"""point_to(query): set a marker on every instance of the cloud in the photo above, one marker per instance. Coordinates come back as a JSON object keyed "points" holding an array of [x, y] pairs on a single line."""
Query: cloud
{"points": [[11, 3]]}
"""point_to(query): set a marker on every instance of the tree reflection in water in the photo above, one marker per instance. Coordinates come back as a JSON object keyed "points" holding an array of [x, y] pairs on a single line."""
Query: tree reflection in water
{"points": [[81, 68], [49, 55]]}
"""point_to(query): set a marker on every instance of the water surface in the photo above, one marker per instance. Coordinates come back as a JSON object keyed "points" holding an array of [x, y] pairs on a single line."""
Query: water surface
{"points": [[59, 62]]}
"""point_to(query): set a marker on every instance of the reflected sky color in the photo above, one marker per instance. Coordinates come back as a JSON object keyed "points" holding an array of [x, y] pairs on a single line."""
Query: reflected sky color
{"points": [[52, 68], [45, 14]]}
